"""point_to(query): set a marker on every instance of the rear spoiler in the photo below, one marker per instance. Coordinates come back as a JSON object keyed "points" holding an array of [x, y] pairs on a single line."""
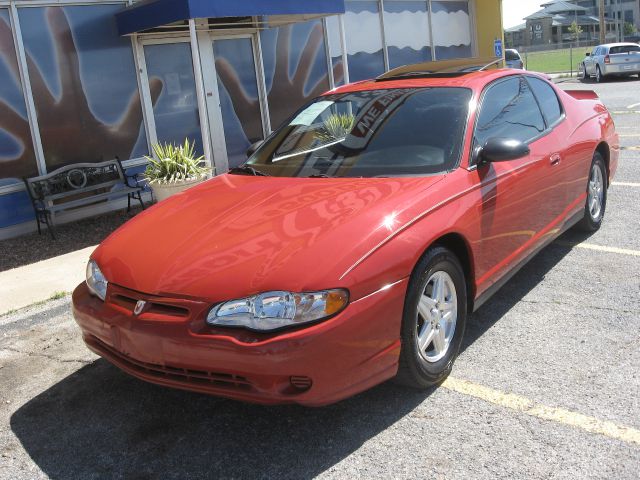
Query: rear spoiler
{"points": [[583, 94]]}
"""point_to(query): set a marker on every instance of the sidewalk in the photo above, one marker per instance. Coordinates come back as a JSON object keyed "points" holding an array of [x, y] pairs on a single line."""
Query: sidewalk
{"points": [[37, 282]]}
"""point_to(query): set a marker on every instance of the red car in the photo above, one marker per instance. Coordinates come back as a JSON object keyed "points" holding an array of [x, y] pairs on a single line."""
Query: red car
{"points": [[356, 240]]}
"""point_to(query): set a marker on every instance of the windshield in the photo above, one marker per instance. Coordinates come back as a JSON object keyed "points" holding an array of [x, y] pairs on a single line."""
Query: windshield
{"points": [[375, 133], [624, 49]]}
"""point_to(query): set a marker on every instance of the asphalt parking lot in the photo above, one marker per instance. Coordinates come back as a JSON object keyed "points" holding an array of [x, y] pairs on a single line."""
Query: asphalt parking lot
{"points": [[547, 385]]}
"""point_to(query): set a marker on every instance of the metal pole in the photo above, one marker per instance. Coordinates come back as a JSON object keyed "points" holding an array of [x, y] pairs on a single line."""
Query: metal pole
{"points": [[603, 27]]}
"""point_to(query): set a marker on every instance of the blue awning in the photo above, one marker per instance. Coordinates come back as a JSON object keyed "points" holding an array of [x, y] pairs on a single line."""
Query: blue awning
{"points": [[154, 13]]}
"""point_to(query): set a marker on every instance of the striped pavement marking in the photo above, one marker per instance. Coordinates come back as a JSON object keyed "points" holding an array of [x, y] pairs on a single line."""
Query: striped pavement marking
{"points": [[601, 248], [625, 184], [544, 412]]}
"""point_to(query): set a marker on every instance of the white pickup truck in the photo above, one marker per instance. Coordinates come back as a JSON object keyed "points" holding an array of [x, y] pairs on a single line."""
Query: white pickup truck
{"points": [[611, 59]]}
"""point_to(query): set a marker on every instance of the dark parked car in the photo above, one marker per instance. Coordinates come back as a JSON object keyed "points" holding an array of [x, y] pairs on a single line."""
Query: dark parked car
{"points": [[513, 59]]}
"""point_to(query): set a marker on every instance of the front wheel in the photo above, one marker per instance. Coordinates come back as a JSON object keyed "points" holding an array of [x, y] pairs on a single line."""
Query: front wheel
{"points": [[434, 319], [585, 75], [596, 196]]}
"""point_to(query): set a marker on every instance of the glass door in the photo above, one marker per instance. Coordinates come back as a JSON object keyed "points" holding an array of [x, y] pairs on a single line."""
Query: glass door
{"points": [[241, 99], [173, 92]]}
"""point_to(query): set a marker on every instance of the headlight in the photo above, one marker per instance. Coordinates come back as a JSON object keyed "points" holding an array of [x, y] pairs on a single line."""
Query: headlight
{"points": [[96, 281], [274, 310]]}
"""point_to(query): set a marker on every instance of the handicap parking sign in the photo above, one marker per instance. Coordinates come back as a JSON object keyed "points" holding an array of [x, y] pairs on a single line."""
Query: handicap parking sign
{"points": [[497, 47]]}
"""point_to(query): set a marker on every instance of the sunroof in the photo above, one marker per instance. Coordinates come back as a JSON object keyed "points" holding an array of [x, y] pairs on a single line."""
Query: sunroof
{"points": [[441, 69]]}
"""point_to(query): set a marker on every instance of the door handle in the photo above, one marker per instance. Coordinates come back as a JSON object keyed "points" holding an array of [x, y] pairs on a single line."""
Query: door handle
{"points": [[554, 159]]}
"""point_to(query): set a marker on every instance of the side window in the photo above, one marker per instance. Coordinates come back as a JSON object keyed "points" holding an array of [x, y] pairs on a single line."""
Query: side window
{"points": [[547, 99], [509, 110]]}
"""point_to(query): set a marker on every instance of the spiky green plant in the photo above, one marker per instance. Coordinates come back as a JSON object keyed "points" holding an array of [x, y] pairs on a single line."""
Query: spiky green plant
{"points": [[174, 163], [336, 126]]}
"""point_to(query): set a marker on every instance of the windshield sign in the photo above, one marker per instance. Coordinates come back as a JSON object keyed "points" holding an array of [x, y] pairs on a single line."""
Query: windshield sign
{"points": [[375, 133]]}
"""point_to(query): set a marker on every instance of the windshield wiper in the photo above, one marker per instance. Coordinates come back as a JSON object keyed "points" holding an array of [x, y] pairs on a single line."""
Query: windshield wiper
{"points": [[319, 175], [246, 169]]}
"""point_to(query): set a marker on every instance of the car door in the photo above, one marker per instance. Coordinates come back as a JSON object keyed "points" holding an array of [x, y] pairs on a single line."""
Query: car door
{"points": [[554, 146], [591, 61], [514, 205]]}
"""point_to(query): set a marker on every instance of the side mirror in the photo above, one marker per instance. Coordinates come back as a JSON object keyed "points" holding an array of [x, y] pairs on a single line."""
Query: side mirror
{"points": [[498, 149], [252, 149], [588, 54]]}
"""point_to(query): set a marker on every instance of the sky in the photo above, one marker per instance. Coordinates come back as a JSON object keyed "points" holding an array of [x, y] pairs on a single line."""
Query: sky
{"points": [[514, 10]]}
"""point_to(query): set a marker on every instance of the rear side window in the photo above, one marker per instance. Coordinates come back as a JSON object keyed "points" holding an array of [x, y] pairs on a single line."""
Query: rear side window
{"points": [[509, 110], [624, 49], [547, 99]]}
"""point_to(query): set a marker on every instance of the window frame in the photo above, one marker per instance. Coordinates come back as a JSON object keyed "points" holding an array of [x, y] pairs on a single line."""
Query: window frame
{"points": [[473, 161]]}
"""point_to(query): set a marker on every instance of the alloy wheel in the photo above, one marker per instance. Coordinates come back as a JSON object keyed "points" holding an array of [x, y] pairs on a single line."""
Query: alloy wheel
{"points": [[437, 316], [595, 192]]}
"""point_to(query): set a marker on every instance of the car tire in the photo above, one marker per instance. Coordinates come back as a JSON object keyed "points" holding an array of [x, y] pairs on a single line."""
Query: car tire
{"points": [[585, 75], [596, 196], [599, 75], [438, 288]]}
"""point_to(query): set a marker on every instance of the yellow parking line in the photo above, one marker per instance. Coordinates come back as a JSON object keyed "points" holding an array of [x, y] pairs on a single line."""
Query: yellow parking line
{"points": [[601, 248], [554, 414], [625, 184]]}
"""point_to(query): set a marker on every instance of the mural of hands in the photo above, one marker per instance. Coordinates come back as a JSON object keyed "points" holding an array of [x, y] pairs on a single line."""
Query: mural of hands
{"points": [[69, 130], [288, 92]]}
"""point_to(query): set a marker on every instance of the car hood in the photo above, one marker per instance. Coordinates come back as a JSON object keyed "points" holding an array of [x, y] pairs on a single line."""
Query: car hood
{"points": [[236, 235]]}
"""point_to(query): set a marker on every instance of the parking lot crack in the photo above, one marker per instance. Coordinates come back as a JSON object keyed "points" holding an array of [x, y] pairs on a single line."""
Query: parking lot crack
{"points": [[44, 355], [596, 307]]}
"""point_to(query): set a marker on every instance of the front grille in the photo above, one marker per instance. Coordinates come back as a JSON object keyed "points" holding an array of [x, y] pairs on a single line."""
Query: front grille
{"points": [[177, 374], [155, 307]]}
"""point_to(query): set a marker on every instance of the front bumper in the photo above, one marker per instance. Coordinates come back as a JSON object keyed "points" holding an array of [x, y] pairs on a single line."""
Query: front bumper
{"points": [[171, 345]]}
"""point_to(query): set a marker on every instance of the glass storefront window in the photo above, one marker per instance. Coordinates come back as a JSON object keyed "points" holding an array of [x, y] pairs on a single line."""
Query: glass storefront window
{"points": [[295, 67], [364, 39], [17, 157], [451, 29], [406, 24], [84, 84], [239, 100], [335, 49], [170, 69]]}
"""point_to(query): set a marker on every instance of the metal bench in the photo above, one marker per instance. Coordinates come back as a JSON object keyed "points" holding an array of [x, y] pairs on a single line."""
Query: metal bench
{"points": [[80, 185]]}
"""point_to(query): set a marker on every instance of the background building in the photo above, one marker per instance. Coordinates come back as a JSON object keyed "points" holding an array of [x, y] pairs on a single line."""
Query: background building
{"points": [[88, 80], [550, 25]]}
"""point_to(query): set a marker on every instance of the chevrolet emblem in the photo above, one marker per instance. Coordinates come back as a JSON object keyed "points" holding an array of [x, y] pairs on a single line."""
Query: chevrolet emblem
{"points": [[139, 307]]}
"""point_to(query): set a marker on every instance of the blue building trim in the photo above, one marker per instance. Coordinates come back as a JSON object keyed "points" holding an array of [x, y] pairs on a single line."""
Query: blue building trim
{"points": [[154, 13]]}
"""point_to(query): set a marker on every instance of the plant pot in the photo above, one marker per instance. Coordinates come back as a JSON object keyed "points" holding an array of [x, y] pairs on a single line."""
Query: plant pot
{"points": [[161, 191]]}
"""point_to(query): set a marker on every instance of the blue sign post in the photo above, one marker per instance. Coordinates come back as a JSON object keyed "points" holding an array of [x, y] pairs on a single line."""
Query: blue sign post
{"points": [[497, 47]]}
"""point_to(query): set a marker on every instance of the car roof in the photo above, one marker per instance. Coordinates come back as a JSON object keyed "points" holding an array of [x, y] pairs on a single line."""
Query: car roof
{"points": [[619, 44], [474, 80]]}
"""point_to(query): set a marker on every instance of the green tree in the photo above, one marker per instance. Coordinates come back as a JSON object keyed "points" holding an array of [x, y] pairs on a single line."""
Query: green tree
{"points": [[629, 28], [575, 30]]}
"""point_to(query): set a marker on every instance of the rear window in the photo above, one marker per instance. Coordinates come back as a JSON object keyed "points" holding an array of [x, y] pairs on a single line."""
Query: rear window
{"points": [[375, 133], [511, 55], [624, 49]]}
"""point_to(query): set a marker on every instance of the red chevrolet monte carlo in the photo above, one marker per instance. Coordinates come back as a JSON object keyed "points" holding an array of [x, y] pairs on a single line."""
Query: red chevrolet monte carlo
{"points": [[356, 240]]}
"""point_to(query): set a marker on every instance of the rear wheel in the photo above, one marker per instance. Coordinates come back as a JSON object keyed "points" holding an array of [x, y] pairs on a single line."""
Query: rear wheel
{"points": [[599, 75], [434, 319], [596, 196]]}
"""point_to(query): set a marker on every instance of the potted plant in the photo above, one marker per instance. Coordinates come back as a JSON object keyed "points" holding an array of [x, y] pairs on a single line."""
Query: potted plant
{"points": [[174, 169]]}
